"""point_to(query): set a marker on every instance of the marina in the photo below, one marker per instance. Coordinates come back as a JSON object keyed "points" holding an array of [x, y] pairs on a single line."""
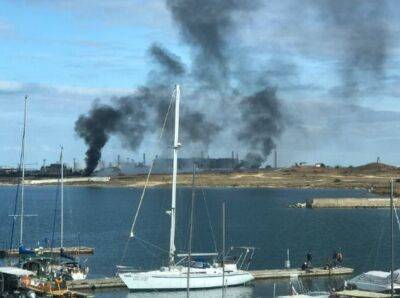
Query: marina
{"points": [[116, 282]]}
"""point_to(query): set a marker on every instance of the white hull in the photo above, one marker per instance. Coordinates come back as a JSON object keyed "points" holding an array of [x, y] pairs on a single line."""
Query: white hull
{"points": [[176, 279]]}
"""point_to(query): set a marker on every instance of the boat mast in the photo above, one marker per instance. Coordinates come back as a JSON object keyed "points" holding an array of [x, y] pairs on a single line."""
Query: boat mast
{"points": [[174, 174], [391, 238], [223, 248], [62, 197], [21, 233]]}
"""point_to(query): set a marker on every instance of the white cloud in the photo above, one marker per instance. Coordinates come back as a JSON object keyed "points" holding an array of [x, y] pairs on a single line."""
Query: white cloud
{"points": [[17, 88]]}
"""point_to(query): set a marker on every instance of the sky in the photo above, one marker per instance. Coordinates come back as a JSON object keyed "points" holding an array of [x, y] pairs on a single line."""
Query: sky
{"points": [[65, 54]]}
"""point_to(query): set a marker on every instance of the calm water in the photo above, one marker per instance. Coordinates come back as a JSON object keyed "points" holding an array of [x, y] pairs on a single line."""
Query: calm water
{"points": [[101, 218]]}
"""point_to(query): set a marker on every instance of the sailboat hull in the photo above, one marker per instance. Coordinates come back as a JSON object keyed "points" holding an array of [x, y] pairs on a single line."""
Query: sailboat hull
{"points": [[177, 279]]}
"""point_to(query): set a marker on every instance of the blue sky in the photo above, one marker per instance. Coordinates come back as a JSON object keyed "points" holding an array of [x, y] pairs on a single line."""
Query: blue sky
{"points": [[64, 54]]}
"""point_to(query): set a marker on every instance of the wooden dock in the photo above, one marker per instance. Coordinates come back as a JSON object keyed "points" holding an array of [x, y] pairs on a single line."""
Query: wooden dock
{"points": [[56, 250], [116, 282]]}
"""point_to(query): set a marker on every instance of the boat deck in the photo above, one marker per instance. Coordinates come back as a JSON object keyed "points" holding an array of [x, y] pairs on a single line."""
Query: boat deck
{"points": [[116, 282], [83, 250]]}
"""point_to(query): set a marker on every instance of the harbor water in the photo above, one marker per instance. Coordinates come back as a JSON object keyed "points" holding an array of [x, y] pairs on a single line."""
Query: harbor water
{"points": [[101, 217]]}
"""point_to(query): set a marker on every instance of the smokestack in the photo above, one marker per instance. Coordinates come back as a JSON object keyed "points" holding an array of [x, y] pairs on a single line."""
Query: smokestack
{"points": [[275, 159], [118, 161], [144, 159], [237, 157], [233, 155], [378, 159], [74, 165]]}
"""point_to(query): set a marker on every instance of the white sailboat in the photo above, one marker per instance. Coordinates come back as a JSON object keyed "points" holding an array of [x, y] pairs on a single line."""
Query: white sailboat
{"points": [[178, 277]]}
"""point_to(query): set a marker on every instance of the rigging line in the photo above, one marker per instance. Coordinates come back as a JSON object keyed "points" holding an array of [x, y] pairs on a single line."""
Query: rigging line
{"points": [[149, 251], [132, 234], [209, 220], [152, 245], [151, 168], [397, 216]]}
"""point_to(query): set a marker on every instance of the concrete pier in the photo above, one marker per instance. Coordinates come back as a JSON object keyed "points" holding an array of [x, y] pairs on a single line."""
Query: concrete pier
{"points": [[350, 203], [287, 273], [116, 282]]}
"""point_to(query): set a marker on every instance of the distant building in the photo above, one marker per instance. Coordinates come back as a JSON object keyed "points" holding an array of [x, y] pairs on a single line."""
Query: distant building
{"points": [[164, 166], [54, 169]]}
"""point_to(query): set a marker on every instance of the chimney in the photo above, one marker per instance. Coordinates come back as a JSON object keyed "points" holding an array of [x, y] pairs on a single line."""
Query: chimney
{"points": [[74, 165], [275, 159], [118, 161], [144, 158]]}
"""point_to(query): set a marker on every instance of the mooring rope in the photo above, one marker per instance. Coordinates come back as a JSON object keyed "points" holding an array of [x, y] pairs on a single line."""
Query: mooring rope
{"points": [[132, 230]]}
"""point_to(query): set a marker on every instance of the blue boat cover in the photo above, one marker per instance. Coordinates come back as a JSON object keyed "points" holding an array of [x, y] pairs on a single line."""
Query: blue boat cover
{"points": [[25, 251]]}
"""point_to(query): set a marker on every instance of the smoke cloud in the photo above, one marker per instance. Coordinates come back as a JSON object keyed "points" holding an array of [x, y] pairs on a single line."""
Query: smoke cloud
{"points": [[262, 120], [206, 26], [362, 31], [126, 118], [169, 61]]}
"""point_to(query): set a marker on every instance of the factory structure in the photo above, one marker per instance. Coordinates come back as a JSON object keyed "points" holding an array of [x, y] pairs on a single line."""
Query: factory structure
{"points": [[164, 165], [129, 166]]}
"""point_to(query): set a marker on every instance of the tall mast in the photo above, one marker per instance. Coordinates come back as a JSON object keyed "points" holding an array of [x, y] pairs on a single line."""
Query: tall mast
{"points": [[391, 238], [62, 197], [174, 173], [21, 233], [223, 248]]}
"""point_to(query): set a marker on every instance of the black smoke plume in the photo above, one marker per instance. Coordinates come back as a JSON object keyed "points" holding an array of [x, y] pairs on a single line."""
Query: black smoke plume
{"points": [[262, 120], [170, 62], [206, 26], [125, 118]]}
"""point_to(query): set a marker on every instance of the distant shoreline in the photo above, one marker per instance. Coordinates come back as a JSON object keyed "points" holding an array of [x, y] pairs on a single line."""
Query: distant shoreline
{"points": [[375, 179]]}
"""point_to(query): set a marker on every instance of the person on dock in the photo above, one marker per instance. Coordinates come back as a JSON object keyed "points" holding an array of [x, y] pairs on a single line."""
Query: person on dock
{"points": [[309, 257], [337, 258]]}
